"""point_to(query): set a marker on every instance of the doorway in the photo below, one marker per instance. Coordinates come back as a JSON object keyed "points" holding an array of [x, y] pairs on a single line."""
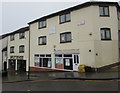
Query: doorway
{"points": [[12, 63], [5, 66], [76, 61], [68, 64], [21, 65]]}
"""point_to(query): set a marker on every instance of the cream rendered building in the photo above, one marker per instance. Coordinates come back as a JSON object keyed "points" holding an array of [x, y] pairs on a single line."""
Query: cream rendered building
{"points": [[3, 51], [18, 50], [83, 34]]}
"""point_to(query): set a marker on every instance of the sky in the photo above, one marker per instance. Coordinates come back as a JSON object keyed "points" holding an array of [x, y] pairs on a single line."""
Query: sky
{"points": [[15, 14]]}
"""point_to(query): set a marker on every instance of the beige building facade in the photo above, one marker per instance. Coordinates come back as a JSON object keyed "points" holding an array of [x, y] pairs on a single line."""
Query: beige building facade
{"points": [[84, 34], [18, 50]]}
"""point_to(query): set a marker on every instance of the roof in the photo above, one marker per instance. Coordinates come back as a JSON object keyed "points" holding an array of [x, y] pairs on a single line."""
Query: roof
{"points": [[80, 6], [23, 29]]}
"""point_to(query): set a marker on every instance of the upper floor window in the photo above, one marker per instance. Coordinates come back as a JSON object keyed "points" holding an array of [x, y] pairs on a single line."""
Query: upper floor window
{"points": [[42, 24], [104, 10], [12, 49], [42, 40], [65, 18], [22, 35], [12, 37], [65, 37], [105, 34], [21, 49]]}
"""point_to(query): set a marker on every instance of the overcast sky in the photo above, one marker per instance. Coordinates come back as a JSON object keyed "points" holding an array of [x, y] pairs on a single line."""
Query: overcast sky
{"points": [[17, 14]]}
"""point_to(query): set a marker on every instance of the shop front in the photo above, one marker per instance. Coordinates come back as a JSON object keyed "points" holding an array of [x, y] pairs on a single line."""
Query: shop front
{"points": [[67, 61], [16, 63], [61, 61]]}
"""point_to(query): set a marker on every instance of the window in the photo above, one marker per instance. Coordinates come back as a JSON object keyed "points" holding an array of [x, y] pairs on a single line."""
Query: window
{"points": [[21, 35], [64, 61], [42, 40], [12, 37], [65, 18], [44, 60], [12, 49], [104, 10], [36, 60], [42, 24], [105, 34], [65, 37], [21, 49]]}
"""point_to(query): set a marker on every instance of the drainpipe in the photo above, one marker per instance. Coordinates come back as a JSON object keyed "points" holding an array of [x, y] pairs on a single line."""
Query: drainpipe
{"points": [[29, 56]]}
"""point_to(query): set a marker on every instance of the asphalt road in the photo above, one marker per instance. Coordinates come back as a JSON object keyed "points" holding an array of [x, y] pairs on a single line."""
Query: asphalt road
{"points": [[62, 85]]}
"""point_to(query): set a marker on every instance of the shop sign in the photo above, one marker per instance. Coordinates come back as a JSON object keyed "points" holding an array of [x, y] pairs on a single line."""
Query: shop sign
{"points": [[16, 57]]}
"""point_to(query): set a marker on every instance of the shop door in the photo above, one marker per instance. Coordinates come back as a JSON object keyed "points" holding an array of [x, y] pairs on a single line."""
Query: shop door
{"points": [[76, 62], [68, 63], [12, 64], [21, 65], [5, 66]]}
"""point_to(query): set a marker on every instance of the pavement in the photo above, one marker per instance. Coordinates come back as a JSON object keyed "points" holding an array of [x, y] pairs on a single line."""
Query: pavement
{"points": [[111, 74]]}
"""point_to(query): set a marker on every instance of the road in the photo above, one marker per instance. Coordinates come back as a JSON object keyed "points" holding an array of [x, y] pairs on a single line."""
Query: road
{"points": [[62, 85]]}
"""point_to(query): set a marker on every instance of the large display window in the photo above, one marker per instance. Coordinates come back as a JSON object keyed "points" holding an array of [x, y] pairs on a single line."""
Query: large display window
{"points": [[43, 60]]}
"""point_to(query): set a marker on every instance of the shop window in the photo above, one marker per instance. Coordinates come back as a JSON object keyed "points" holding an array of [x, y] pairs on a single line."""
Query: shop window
{"points": [[58, 55], [59, 63], [67, 55], [48, 55], [36, 60], [63, 62], [44, 60], [42, 55]]}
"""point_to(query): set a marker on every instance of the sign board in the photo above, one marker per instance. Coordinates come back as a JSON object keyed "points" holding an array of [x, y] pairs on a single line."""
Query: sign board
{"points": [[16, 57], [81, 22], [52, 30]]}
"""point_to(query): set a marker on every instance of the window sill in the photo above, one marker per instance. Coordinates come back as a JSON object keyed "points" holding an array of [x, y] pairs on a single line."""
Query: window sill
{"points": [[41, 27], [21, 52], [66, 42], [106, 39], [11, 52], [65, 22], [12, 40], [42, 44], [104, 15], [22, 38]]}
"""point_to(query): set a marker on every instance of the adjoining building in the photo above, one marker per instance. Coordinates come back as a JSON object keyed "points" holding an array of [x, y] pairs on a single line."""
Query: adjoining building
{"points": [[18, 50], [83, 34], [3, 51]]}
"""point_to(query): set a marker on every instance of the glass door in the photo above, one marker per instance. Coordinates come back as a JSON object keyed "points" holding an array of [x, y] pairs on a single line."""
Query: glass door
{"points": [[76, 61]]}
